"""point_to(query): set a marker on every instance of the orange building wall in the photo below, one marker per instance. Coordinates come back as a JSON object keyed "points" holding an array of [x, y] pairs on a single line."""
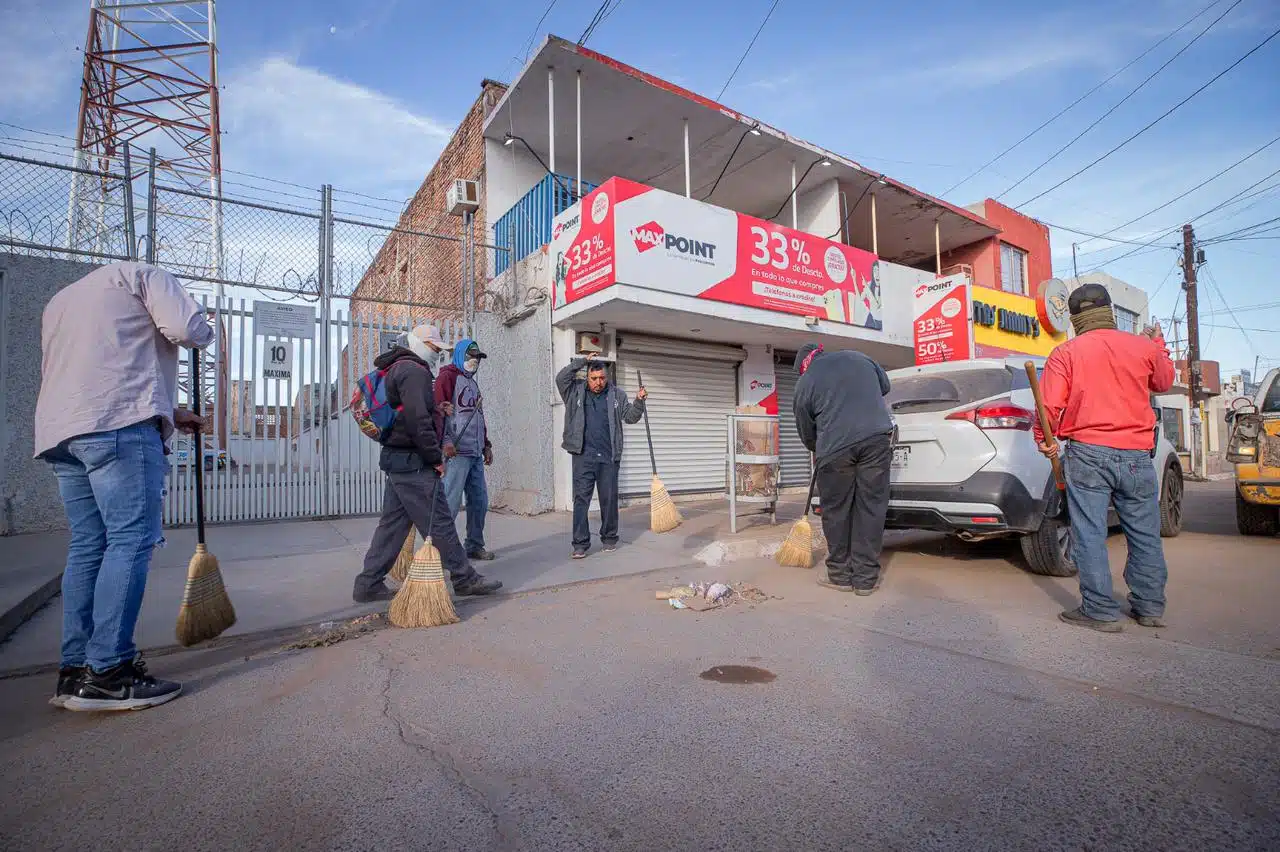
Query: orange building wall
{"points": [[1017, 230]]}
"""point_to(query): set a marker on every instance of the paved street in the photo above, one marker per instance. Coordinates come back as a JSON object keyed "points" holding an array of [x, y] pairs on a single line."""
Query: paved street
{"points": [[952, 710]]}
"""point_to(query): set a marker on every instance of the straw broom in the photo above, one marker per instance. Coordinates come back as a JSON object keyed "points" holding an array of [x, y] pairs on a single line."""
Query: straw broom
{"points": [[206, 611], [423, 599], [663, 514], [400, 570], [797, 550]]}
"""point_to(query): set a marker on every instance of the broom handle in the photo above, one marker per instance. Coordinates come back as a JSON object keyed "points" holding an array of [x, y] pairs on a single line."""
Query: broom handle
{"points": [[813, 481], [199, 445], [1043, 414], [648, 436]]}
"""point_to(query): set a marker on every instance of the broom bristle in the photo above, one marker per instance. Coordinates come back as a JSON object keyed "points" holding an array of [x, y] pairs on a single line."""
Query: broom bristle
{"points": [[206, 610], [401, 569], [663, 514], [423, 600], [797, 550]]}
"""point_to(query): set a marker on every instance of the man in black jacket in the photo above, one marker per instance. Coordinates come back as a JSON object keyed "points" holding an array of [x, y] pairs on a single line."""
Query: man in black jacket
{"points": [[414, 464], [843, 420], [594, 411]]}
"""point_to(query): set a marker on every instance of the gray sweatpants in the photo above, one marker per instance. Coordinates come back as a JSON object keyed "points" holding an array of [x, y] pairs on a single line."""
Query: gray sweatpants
{"points": [[406, 504]]}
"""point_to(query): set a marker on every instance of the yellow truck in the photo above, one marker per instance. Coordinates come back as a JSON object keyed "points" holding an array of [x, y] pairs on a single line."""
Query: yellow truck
{"points": [[1254, 449]]}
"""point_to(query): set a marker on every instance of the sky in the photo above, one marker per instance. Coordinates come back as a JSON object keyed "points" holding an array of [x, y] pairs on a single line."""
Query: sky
{"points": [[363, 94]]}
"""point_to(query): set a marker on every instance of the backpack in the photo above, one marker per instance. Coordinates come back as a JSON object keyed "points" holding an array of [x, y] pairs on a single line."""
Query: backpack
{"points": [[369, 406]]}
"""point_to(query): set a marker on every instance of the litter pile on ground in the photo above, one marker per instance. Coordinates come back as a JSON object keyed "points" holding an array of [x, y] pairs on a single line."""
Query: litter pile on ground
{"points": [[333, 632], [701, 597]]}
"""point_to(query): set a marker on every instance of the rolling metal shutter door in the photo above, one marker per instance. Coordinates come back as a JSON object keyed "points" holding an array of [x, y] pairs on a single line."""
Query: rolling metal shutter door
{"points": [[795, 458], [688, 400]]}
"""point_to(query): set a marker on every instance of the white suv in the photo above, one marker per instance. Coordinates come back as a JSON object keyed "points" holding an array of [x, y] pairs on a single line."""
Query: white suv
{"points": [[965, 462]]}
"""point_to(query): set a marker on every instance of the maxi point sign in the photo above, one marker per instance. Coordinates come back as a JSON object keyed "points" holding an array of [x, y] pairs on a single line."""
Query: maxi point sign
{"points": [[628, 233]]}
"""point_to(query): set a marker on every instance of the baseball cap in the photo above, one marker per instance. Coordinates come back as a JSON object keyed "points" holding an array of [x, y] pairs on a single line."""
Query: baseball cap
{"points": [[430, 334], [473, 351], [1087, 297]]}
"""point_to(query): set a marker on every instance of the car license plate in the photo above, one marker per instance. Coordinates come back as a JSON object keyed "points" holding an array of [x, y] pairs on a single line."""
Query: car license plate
{"points": [[901, 455]]}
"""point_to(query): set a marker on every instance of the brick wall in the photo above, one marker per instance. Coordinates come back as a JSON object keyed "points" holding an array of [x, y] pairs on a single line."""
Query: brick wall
{"points": [[427, 271]]}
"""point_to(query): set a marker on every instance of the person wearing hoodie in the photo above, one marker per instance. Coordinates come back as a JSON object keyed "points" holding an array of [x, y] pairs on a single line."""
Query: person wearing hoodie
{"points": [[414, 464], [594, 413], [843, 421], [466, 441]]}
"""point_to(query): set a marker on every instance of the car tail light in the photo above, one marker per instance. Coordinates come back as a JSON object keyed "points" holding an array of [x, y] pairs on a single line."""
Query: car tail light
{"points": [[1001, 414]]}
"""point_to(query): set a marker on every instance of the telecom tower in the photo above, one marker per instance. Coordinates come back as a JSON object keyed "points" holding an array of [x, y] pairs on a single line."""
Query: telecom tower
{"points": [[151, 81]]}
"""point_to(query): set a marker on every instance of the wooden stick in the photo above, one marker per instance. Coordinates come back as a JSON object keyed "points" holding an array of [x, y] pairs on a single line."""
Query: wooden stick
{"points": [[1043, 414]]}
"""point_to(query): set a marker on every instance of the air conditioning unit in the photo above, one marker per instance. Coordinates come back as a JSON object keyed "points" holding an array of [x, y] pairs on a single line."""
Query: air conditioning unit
{"points": [[463, 197], [602, 343]]}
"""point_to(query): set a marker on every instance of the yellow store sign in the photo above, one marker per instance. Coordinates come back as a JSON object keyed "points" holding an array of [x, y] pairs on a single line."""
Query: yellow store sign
{"points": [[1010, 323]]}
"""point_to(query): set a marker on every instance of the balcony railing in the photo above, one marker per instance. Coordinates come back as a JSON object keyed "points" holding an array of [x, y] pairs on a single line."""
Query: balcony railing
{"points": [[526, 227]]}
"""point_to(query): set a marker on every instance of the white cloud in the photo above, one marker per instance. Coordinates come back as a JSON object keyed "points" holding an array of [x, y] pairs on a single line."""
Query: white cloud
{"points": [[287, 120]]}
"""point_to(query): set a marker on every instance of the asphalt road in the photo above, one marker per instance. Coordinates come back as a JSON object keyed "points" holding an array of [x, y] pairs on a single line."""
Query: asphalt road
{"points": [[952, 710]]}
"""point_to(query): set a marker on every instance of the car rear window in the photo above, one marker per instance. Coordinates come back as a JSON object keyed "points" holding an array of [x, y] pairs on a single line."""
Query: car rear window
{"points": [[1271, 402], [925, 392]]}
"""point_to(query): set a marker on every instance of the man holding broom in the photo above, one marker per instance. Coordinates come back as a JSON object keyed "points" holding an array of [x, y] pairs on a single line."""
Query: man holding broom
{"points": [[109, 381], [842, 419], [594, 413], [414, 463], [461, 426], [1097, 392]]}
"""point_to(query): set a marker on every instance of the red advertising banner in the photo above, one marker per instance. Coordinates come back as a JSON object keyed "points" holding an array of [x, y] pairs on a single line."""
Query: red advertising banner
{"points": [[942, 320], [643, 237]]}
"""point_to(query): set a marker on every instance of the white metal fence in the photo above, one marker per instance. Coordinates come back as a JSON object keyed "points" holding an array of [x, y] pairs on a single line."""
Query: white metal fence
{"points": [[283, 443]]}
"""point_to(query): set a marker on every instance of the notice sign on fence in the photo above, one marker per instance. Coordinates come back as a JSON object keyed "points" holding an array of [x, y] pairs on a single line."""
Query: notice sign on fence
{"points": [[277, 360], [387, 339], [274, 319]]}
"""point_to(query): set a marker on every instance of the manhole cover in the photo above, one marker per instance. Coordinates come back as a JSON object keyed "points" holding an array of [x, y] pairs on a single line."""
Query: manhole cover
{"points": [[738, 674]]}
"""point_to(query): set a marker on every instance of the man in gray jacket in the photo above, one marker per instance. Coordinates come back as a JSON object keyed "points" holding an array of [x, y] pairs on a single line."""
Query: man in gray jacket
{"points": [[594, 413], [843, 421]]}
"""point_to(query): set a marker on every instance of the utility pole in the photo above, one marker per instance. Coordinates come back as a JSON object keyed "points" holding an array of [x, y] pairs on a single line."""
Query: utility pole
{"points": [[1075, 270], [1189, 259]]}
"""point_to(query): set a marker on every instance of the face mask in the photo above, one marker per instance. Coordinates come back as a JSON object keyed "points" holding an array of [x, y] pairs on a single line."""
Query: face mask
{"points": [[471, 365]]}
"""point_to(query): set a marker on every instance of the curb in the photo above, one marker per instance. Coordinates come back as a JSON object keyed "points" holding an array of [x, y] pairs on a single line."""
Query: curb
{"points": [[17, 615]]}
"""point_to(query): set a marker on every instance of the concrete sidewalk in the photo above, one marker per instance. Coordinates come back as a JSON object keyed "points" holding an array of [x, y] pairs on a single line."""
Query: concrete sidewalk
{"points": [[289, 574]]}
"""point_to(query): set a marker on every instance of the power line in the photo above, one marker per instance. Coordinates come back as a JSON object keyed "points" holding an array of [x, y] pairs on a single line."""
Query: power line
{"points": [[750, 45], [1097, 236], [595, 22], [1241, 231], [534, 35], [1152, 124], [1074, 103], [1214, 283], [1121, 102]]}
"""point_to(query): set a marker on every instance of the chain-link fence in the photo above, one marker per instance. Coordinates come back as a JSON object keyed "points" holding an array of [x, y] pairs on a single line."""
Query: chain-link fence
{"points": [[395, 270]]}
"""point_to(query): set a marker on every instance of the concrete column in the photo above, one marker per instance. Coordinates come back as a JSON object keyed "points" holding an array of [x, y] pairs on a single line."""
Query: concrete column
{"points": [[551, 119]]}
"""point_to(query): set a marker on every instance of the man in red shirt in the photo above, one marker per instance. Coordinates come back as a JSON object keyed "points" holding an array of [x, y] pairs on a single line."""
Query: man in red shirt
{"points": [[1097, 389]]}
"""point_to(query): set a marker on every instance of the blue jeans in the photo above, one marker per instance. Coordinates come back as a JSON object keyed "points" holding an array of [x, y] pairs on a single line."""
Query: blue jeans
{"points": [[466, 474], [1099, 477], [112, 486]]}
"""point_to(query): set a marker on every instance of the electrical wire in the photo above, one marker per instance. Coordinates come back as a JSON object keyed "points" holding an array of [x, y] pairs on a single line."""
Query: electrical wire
{"points": [[1213, 282], [534, 36], [1121, 102], [751, 44], [595, 21], [1240, 232], [1153, 123], [1077, 101]]}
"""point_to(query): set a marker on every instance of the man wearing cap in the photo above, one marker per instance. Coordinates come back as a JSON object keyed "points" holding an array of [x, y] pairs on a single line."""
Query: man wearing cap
{"points": [[460, 415], [1097, 390], [415, 465], [843, 421]]}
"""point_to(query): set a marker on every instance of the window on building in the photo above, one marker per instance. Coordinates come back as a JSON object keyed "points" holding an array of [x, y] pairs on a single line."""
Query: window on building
{"points": [[1126, 320], [1013, 269]]}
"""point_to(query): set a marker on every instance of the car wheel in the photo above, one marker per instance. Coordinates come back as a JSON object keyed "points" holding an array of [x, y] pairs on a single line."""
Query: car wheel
{"points": [[1252, 519], [1048, 549], [1171, 503]]}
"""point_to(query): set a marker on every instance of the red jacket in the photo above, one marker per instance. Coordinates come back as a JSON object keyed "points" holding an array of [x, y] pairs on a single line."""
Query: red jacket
{"points": [[1097, 389]]}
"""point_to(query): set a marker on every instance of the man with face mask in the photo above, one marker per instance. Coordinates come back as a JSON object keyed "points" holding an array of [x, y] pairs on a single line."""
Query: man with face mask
{"points": [[460, 415], [415, 465]]}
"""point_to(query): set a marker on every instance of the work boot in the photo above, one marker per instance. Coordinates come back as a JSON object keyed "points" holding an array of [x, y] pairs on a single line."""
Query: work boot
{"points": [[1079, 619], [839, 587], [69, 680], [1148, 620], [373, 594], [123, 687], [482, 555], [477, 586]]}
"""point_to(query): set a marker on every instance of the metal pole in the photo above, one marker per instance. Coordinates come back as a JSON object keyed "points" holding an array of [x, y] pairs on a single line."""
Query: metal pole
{"points": [[1075, 270], [151, 207], [578, 145], [937, 245], [688, 183], [844, 218], [551, 120], [875, 237], [325, 276], [1193, 328], [795, 209], [130, 227]]}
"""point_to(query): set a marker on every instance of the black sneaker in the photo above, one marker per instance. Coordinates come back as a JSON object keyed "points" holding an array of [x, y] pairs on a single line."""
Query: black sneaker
{"points": [[69, 680], [478, 586], [482, 555], [579, 554], [1079, 619], [609, 547], [380, 592], [839, 587], [123, 687]]}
